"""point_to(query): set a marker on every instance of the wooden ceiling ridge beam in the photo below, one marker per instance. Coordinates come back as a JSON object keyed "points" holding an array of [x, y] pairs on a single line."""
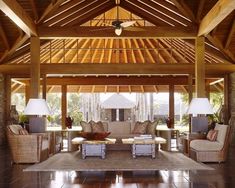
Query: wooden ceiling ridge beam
{"points": [[19, 16], [216, 15], [230, 35], [217, 43], [50, 8]]}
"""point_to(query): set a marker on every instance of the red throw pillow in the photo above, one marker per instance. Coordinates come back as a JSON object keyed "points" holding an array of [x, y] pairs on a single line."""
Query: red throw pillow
{"points": [[212, 135], [94, 136]]}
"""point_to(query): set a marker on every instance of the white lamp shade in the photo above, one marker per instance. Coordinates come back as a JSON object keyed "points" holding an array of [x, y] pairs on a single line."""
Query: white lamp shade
{"points": [[37, 107], [200, 106]]}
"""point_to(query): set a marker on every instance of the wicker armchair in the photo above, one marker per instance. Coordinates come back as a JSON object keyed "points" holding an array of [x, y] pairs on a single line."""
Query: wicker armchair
{"points": [[27, 148], [212, 151]]}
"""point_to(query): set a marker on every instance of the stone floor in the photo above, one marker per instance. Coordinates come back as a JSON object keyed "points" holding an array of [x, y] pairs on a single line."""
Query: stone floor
{"points": [[12, 176]]}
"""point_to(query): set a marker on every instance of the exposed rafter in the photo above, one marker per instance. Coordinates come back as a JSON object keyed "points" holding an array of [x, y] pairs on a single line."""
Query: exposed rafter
{"points": [[18, 15], [221, 9]]}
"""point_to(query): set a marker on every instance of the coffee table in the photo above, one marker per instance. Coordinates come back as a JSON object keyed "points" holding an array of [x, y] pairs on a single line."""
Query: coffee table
{"points": [[93, 147], [144, 147]]}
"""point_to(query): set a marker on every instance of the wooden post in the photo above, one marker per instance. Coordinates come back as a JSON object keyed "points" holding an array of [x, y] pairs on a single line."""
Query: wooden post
{"points": [[226, 99], [190, 96], [44, 87], [200, 67], [171, 105], [64, 106], [208, 90], [8, 98], [35, 67], [27, 93]]}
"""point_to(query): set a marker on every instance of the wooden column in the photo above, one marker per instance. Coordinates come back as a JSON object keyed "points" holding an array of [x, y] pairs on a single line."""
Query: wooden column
{"points": [[171, 105], [35, 67], [226, 99], [8, 99], [200, 67], [44, 87], [27, 93], [190, 96], [207, 88], [64, 106]]}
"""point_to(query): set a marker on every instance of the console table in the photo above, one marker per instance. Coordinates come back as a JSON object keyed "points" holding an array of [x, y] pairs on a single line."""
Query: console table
{"points": [[93, 147], [144, 147]]}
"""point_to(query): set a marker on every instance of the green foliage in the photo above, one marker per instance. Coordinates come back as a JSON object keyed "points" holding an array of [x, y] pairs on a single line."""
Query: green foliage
{"points": [[23, 118]]}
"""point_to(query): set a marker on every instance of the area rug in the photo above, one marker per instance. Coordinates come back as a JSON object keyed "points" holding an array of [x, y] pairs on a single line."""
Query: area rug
{"points": [[118, 161]]}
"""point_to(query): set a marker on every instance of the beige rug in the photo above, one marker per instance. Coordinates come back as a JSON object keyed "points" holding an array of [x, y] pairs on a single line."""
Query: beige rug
{"points": [[118, 161]]}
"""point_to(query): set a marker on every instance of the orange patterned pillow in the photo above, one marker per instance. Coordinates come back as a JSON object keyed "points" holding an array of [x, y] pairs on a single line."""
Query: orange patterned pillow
{"points": [[212, 135]]}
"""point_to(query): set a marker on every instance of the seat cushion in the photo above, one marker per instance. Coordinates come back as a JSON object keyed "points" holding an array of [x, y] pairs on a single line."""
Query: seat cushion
{"points": [[206, 145]]}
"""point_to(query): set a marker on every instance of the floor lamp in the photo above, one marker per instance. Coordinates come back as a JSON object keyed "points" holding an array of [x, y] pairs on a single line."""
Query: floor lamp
{"points": [[37, 109], [199, 108]]}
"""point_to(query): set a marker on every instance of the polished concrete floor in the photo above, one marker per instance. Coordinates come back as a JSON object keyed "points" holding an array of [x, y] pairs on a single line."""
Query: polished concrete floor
{"points": [[12, 176]]}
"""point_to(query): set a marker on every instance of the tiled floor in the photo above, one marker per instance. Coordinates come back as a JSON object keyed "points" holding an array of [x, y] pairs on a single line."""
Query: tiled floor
{"points": [[12, 176]]}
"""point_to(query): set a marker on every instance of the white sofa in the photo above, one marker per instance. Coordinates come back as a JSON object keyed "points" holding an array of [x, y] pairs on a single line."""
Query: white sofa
{"points": [[212, 151]]}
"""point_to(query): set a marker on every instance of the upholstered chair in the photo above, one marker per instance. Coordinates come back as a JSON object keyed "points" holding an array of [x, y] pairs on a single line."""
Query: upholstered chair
{"points": [[25, 147], [204, 150]]}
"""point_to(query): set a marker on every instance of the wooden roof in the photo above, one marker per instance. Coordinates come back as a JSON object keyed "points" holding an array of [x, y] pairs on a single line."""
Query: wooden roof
{"points": [[77, 32]]}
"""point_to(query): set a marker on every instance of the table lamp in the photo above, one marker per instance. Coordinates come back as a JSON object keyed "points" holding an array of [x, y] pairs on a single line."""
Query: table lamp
{"points": [[199, 108], [37, 108]]}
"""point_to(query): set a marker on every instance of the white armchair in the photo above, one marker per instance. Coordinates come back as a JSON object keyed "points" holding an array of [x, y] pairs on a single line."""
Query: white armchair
{"points": [[212, 151]]}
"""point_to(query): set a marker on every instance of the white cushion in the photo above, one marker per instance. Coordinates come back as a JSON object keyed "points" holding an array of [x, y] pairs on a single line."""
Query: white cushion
{"points": [[15, 128], [222, 130], [206, 145]]}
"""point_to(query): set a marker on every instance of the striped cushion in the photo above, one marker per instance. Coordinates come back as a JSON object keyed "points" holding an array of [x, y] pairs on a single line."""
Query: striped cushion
{"points": [[212, 135]]}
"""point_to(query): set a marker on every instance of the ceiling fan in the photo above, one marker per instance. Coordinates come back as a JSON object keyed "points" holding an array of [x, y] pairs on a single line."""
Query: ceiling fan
{"points": [[119, 25]]}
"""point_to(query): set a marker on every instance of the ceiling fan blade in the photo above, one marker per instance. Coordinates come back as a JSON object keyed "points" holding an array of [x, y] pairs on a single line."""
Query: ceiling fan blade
{"points": [[118, 31], [127, 24]]}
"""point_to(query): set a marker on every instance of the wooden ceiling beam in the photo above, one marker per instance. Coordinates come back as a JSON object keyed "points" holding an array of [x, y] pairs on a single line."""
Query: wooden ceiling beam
{"points": [[119, 69], [19, 41], [217, 43], [148, 8], [34, 8], [230, 35], [4, 38], [199, 10], [93, 9], [184, 9], [166, 13], [147, 51], [161, 59], [18, 15], [216, 15], [50, 8], [66, 11]]}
